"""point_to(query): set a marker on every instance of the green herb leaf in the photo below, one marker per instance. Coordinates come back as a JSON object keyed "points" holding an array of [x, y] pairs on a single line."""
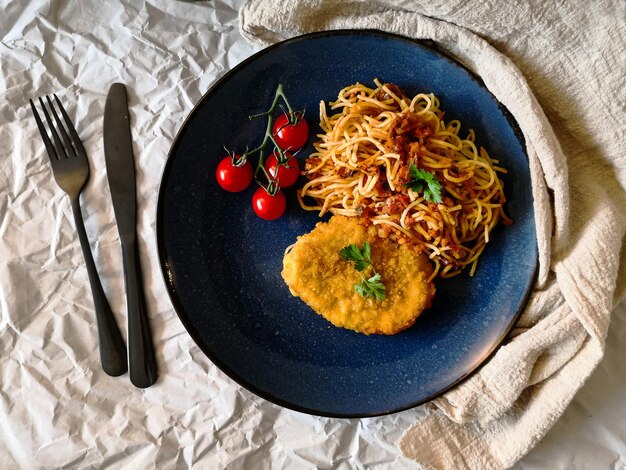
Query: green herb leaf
{"points": [[425, 182], [371, 288], [361, 258]]}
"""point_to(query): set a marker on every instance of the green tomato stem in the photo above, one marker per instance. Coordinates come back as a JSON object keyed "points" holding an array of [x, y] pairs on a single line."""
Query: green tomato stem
{"points": [[268, 132]]}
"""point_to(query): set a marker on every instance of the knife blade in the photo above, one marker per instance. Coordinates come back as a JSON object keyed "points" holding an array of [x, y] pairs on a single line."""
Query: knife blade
{"points": [[120, 164]]}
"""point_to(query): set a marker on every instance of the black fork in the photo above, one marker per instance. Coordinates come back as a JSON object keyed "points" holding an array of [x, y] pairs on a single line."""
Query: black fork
{"points": [[71, 171]]}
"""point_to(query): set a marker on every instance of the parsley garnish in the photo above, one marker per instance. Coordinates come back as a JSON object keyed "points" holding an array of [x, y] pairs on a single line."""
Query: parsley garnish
{"points": [[368, 287], [371, 287], [423, 181], [362, 259]]}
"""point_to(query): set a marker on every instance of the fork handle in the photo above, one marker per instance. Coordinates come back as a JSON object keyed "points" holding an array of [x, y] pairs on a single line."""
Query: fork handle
{"points": [[142, 362], [112, 347]]}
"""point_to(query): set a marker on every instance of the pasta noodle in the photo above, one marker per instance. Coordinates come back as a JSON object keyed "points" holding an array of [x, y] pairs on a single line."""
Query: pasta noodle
{"points": [[362, 162]]}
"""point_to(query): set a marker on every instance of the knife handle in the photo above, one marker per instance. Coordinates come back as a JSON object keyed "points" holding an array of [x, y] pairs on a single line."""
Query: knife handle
{"points": [[111, 343], [142, 363]]}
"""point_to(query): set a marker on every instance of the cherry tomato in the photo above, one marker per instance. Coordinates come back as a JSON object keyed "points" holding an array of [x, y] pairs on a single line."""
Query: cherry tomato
{"points": [[234, 178], [290, 136], [288, 173], [268, 207]]}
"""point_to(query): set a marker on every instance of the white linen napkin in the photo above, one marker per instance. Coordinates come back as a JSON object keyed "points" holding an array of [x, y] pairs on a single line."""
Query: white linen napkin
{"points": [[556, 68]]}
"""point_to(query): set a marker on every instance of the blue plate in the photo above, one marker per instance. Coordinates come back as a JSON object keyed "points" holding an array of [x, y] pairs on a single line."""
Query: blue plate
{"points": [[222, 264]]}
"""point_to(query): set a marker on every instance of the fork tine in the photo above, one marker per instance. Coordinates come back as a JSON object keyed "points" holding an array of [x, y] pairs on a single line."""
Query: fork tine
{"points": [[66, 140], [78, 145], [58, 146], [52, 155]]}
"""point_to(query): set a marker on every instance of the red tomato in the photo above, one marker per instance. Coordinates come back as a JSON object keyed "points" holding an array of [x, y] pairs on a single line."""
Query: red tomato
{"points": [[234, 178], [290, 136], [268, 207], [288, 173]]}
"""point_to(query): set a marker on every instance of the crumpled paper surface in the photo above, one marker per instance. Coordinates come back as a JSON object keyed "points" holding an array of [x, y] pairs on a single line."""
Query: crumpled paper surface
{"points": [[58, 409]]}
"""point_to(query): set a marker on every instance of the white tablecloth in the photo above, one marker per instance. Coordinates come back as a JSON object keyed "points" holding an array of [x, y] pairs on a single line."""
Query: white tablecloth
{"points": [[57, 408]]}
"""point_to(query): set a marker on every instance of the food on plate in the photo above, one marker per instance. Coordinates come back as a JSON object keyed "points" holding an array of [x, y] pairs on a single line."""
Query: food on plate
{"points": [[284, 167], [269, 205], [315, 270], [288, 132], [370, 285], [393, 163], [234, 173]]}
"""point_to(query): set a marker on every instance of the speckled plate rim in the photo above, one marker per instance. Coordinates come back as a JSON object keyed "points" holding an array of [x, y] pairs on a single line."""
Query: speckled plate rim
{"points": [[168, 278]]}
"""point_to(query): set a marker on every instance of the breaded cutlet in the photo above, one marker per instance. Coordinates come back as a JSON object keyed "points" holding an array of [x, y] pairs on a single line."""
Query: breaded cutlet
{"points": [[314, 270]]}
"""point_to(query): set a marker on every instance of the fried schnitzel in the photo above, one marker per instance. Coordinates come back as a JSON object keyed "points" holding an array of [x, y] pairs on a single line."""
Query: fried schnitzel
{"points": [[314, 271]]}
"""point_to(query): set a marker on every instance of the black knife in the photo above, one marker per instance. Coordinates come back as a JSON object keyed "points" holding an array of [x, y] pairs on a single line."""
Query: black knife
{"points": [[118, 153]]}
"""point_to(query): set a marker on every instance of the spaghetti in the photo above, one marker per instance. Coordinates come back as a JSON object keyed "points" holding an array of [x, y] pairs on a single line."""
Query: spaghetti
{"points": [[362, 165]]}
